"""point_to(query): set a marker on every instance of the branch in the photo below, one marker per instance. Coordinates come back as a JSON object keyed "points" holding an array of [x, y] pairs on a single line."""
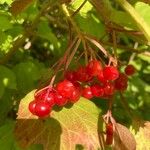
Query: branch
{"points": [[139, 51]]}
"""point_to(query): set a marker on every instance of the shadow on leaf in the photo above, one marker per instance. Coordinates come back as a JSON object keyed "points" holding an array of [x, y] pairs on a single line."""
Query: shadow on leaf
{"points": [[44, 132]]}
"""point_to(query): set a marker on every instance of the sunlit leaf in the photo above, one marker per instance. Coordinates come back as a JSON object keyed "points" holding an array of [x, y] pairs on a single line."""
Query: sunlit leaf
{"points": [[143, 10], [76, 125], [85, 9], [6, 1], [141, 132]]}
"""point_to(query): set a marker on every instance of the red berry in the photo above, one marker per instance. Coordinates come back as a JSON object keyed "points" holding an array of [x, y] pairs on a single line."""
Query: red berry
{"points": [[122, 82], [41, 94], [42, 109], [109, 133], [31, 107], [50, 98], [65, 88], [60, 100], [75, 96], [70, 75], [82, 76], [101, 78], [110, 73], [87, 93], [76, 93], [97, 90], [93, 68], [109, 89], [130, 70]]}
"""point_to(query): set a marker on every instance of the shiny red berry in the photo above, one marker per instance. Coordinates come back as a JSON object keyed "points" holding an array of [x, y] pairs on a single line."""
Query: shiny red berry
{"points": [[31, 107], [42, 109], [97, 90], [65, 88], [82, 75], [130, 70], [101, 78], [109, 89], [60, 100], [87, 92], [41, 94], [71, 76], [121, 83], [94, 67], [50, 98], [75, 96], [110, 73]]}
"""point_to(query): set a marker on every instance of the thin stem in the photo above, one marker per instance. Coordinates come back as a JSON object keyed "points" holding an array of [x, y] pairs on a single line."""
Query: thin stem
{"points": [[114, 43], [124, 47], [98, 45], [67, 13], [72, 54], [85, 51], [64, 58], [79, 8]]}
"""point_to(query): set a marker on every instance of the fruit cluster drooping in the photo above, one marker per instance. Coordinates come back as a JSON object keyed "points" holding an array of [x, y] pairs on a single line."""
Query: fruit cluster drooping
{"points": [[89, 81]]}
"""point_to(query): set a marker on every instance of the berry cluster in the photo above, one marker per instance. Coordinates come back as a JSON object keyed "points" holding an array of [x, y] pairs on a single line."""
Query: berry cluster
{"points": [[89, 81]]}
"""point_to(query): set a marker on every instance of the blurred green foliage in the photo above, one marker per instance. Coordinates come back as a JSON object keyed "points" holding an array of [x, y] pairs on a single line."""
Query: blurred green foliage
{"points": [[30, 63]]}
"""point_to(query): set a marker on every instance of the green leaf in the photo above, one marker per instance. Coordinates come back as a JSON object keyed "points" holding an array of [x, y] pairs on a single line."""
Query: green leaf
{"points": [[6, 1], [3, 37], [144, 10], [2, 88], [7, 79], [7, 139], [116, 16], [15, 30], [5, 22], [6, 105], [76, 125], [44, 31], [85, 9], [27, 74], [87, 24]]}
